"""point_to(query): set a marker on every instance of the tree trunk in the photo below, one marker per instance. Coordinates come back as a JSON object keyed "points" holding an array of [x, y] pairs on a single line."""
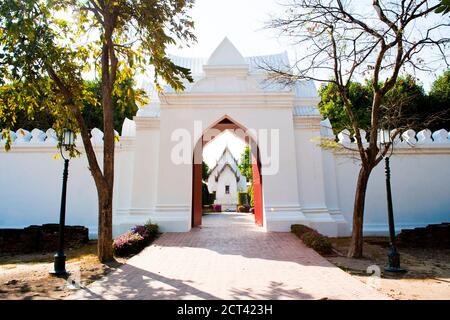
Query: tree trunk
{"points": [[105, 194], [356, 245], [104, 247]]}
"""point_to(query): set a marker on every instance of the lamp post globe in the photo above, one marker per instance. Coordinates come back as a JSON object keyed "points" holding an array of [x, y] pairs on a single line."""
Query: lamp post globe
{"points": [[66, 141]]}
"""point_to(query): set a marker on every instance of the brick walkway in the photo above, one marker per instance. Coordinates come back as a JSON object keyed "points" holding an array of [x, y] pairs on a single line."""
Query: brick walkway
{"points": [[228, 258]]}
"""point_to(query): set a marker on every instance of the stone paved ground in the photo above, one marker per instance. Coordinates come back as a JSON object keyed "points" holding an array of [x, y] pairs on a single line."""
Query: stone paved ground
{"points": [[228, 258]]}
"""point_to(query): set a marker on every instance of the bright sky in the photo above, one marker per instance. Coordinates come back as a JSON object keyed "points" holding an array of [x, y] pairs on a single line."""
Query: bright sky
{"points": [[242, 21]]}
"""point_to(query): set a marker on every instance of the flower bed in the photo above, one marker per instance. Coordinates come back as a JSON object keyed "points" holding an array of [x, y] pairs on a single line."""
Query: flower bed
{"points": [[313, 239], [135, 240]]}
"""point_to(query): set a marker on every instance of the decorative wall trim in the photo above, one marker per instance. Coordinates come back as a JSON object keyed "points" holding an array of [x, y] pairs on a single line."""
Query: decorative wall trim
{"points": [[146, 122], [307, 122], [229, 100]]}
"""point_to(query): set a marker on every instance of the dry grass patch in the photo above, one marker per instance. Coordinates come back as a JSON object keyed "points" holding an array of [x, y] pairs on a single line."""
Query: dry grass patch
{"points": [[27, 276], [428, 275]]}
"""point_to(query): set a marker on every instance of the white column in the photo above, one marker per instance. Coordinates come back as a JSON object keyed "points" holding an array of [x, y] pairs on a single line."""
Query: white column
{"points": [[174, 176], [311, 175], [143, 173], [280, 189]]}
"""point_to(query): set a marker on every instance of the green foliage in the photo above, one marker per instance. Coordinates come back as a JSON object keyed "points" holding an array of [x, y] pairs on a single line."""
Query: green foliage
{"points": [[245, 164], [152, 229], [405, 105], [299, 229], [34, 44], [242, 198], [321, 244], [251, 195], [332, 107], [444, 8], [41, 116], [440, 90], [205, 171], [207, 198], [125, 102], [44, 55], [439, 97]]}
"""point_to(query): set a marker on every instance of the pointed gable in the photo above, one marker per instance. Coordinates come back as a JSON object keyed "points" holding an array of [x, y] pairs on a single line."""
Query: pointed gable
{"points": [[226, 160], [226, 54]]}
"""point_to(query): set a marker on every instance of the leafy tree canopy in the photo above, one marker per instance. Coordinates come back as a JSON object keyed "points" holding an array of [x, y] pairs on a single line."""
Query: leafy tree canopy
{"points": [[46, 46], [439, 100], [405, 105], [444, 8], [125, 105], [331, 105]]}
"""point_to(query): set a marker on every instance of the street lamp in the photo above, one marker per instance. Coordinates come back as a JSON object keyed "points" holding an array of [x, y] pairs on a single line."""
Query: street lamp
{"points": [[66, 142], [393, 254]]}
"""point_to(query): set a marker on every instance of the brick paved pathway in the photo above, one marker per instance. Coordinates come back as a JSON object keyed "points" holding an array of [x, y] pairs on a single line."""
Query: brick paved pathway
{"points": [[228, 258]]}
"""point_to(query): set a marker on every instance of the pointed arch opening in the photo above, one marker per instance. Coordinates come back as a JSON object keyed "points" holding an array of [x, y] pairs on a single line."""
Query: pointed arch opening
{"points": [[209, 134]]}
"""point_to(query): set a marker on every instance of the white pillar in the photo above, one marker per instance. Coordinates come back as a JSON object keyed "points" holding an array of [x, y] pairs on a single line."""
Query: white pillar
{"points": [[280, 190], [142, 168], [311, 175]]}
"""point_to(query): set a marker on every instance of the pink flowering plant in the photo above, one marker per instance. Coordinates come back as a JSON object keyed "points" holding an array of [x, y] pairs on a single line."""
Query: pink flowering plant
{"points": [[135, 240]]}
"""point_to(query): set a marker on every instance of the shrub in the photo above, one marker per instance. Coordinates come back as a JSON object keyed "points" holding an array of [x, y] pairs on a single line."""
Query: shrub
{"points": [[299, 229], [128, 244], [137, 239], [309, 237], [312, 239], [322, 245], [142, 231], [153, 230]]}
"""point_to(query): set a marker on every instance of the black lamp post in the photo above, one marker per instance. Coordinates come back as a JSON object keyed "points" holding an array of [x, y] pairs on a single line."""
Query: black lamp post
{"points": [[393, 254], [66, 141]]}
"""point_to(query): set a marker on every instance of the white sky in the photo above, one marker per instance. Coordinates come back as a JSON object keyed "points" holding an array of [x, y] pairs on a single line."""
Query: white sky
{"points": [[242, 21]]}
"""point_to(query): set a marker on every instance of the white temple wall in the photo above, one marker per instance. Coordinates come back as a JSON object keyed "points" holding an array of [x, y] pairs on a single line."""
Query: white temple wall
{"points": [[420, 182], [30, 188], [30, 184]]}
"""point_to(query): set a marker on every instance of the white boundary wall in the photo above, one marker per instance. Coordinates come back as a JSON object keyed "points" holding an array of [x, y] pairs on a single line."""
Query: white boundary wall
{"points": [[30, 183], [420, 181]]}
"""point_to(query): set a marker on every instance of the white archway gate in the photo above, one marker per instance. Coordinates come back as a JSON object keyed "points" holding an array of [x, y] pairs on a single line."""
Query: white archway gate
{"points": [[155, 171]]}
